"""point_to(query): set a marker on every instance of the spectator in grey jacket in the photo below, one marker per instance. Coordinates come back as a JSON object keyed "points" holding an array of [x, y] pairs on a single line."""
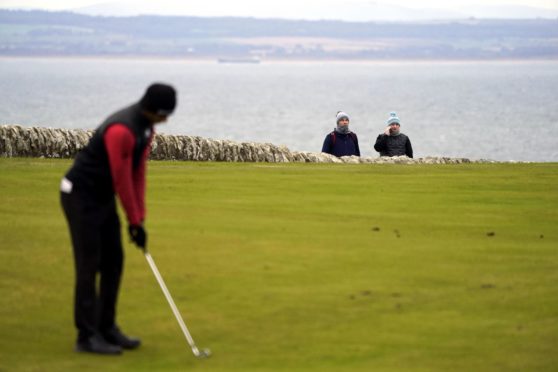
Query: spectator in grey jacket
{"points": [[392, 142]]}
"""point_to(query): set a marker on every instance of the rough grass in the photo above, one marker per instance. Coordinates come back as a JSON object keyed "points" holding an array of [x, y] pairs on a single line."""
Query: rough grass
{"points": [[301, 267]]}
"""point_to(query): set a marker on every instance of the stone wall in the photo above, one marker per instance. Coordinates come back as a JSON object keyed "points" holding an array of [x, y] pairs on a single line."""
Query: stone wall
{"points": [[18, 141]]}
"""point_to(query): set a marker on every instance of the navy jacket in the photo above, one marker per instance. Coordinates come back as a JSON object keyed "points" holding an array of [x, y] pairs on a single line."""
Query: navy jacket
{"points": [[339, 144]]}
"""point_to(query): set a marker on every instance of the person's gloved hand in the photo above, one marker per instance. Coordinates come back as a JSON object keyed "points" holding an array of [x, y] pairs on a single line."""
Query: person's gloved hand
{"points": [[138, 235]]}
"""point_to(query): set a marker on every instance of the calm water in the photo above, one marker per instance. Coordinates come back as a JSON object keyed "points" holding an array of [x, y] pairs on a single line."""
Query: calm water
{"points": [[494, 110]]}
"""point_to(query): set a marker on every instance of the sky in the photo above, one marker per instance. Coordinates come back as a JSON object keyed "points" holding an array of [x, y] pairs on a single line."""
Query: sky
{"points": [[301, 9], [440, 4]]}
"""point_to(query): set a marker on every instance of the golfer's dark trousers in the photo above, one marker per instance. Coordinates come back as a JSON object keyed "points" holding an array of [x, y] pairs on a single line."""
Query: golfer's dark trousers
{"points": [[95, 233]]}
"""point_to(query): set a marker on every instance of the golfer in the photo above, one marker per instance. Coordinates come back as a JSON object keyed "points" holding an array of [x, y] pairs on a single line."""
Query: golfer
{"points": [[113, 162]]}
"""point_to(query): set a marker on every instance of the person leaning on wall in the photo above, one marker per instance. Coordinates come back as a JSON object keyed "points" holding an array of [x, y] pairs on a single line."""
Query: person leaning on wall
{"points": [[341, 142], [392, 142]]}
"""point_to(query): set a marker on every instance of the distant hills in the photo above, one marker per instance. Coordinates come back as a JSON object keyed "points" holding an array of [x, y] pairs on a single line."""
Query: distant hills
{"points": [[350, 11], [41, 33]]}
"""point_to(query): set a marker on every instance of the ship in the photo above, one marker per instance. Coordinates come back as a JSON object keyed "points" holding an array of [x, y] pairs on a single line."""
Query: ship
{"points": [[239, 60]]}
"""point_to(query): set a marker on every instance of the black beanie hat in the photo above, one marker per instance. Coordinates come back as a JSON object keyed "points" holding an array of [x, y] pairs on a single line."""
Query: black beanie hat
{"points": [[159, 99]]}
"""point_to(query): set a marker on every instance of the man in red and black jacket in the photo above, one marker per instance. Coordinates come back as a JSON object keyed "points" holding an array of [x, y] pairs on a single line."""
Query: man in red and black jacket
{"points": [[113, 162]]}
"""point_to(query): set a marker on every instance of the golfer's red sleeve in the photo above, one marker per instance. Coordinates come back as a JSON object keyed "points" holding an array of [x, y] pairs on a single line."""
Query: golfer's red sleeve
{"points": [[139, 181], [119, 142]]}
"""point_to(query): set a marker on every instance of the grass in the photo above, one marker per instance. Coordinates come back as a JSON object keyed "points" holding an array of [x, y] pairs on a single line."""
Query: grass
{"points": [[304, 267]]}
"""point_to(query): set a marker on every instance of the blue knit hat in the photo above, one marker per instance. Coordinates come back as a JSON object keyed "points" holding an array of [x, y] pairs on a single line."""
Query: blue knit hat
{"points": [[393, 119]]}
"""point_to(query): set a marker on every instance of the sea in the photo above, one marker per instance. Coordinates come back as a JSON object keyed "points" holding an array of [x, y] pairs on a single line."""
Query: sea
{"points": [[495, 110]]}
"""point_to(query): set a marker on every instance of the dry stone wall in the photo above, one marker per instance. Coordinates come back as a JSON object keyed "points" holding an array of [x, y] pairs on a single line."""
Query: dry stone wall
{"points": [[18, 141]]}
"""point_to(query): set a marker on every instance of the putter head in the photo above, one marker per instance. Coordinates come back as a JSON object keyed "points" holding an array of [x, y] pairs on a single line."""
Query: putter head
{"points": [[203, 353]]}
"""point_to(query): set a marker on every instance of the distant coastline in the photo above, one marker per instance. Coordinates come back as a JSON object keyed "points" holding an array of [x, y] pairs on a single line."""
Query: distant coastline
{"points": [[64, 33], [212, 60]]}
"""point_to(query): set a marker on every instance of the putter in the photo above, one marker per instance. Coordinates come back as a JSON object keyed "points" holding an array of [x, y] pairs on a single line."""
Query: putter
{"points": [[203, 353]]}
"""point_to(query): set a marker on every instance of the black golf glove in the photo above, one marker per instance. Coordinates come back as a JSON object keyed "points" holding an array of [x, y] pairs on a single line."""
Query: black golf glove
{"points": [[138, 235]]}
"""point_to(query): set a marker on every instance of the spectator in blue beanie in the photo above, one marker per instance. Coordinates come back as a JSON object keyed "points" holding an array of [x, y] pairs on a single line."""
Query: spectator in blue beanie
{"points": [[392, 142], [341, 142]]}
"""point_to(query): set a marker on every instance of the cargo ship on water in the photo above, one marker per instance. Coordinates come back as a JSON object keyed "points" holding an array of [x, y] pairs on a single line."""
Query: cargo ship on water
{"points": [[239, 60]]}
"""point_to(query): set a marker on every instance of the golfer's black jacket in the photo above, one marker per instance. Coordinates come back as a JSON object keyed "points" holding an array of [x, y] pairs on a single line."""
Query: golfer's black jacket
{"points": [[394, 145], [90, 173]]}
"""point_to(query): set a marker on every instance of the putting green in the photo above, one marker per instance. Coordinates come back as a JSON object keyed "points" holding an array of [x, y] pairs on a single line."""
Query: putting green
{"points": [[301, 267]]}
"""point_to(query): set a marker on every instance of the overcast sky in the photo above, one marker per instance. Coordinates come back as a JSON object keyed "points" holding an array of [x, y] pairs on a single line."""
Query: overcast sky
{"points": [[441, 4], [301, 9]]}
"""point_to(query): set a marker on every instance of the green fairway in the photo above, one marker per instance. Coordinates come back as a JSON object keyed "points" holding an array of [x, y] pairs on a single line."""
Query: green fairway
{"points": [[309, 267]]}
